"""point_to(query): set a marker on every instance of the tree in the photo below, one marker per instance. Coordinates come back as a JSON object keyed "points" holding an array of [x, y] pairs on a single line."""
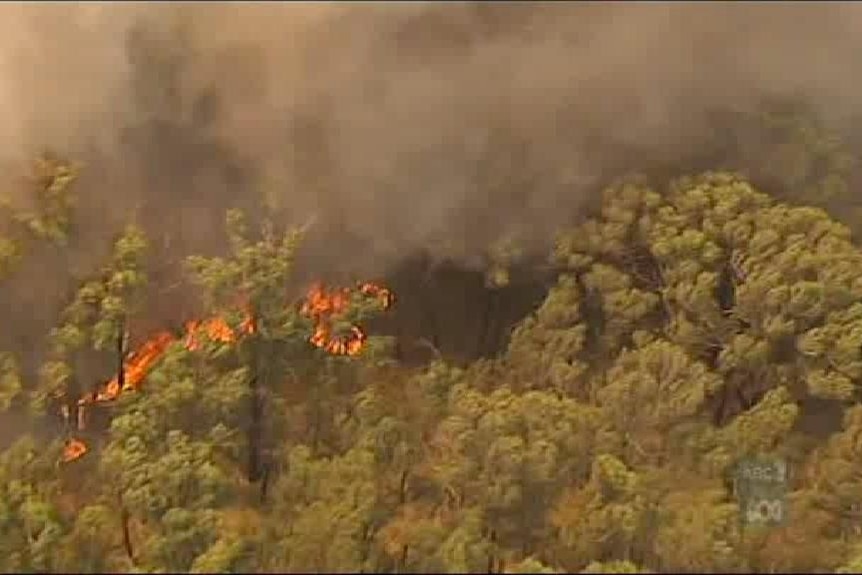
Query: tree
{"points": [[95, 320], [704, 323], [504, 457], [742, 284], [329, 506], [49, 217], [699, 530], [31, 525], [10, 382], [248, 289], [186, 416], [649, 393], [171, 485], [603, 518]]}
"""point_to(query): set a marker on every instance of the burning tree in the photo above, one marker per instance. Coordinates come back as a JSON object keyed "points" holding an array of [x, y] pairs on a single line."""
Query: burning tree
{"points": [[95, 320], [247, 289]]}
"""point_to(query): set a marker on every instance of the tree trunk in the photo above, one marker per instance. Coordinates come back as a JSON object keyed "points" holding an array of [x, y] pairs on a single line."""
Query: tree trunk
{"points": [[255, 426], [402, 561], [491, 555], [121, 355], [402, 493], [316, 421], [254, 430], [127, 535], [74, 416], [264, 480]]}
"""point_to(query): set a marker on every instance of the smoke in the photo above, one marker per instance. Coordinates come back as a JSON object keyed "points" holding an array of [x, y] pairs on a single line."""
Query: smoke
{"points": [[399, 127]]}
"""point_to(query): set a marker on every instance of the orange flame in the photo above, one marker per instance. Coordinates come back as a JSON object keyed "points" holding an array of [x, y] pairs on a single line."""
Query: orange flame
{"points": [[384, 296], [135, 369], [74, 449], [324, 305], [215, 329]]}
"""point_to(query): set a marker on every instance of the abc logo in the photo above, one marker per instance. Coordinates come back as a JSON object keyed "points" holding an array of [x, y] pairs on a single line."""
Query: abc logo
{"points": [[765, 511]]}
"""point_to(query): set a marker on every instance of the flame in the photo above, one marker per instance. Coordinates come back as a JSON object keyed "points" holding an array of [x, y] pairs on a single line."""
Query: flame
{"points": [[215, 329], [142, 360], [384, 296], [324, 305], [135, 369], [74, 449]]}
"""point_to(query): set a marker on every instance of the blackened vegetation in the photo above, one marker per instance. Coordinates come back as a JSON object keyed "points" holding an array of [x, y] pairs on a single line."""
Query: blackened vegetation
{"points": [[593, 314], [725, 290], [646, 272], [644, 268]]}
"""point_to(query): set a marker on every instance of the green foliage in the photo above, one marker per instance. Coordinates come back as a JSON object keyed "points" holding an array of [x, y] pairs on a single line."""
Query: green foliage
{"points": [[530, 565], [51, 219], [328, 506], [51, 201], [101, 306], [10, 255], [604, 516], [613, 567], [121, 283], [31, 526], [546, 349], [224, 556], [257, 273], [709, 526], [10, 381]]}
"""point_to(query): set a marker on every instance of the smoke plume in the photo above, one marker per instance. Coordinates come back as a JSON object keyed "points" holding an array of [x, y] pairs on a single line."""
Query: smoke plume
{"points": [[397, 127]]}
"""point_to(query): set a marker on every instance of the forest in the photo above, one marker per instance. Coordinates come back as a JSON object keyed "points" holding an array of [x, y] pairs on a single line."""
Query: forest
{"points": [[207, 383]]}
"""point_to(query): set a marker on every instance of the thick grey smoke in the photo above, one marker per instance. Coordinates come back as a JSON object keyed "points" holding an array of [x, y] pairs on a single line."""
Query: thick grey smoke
{"points": [[400, 127]]}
